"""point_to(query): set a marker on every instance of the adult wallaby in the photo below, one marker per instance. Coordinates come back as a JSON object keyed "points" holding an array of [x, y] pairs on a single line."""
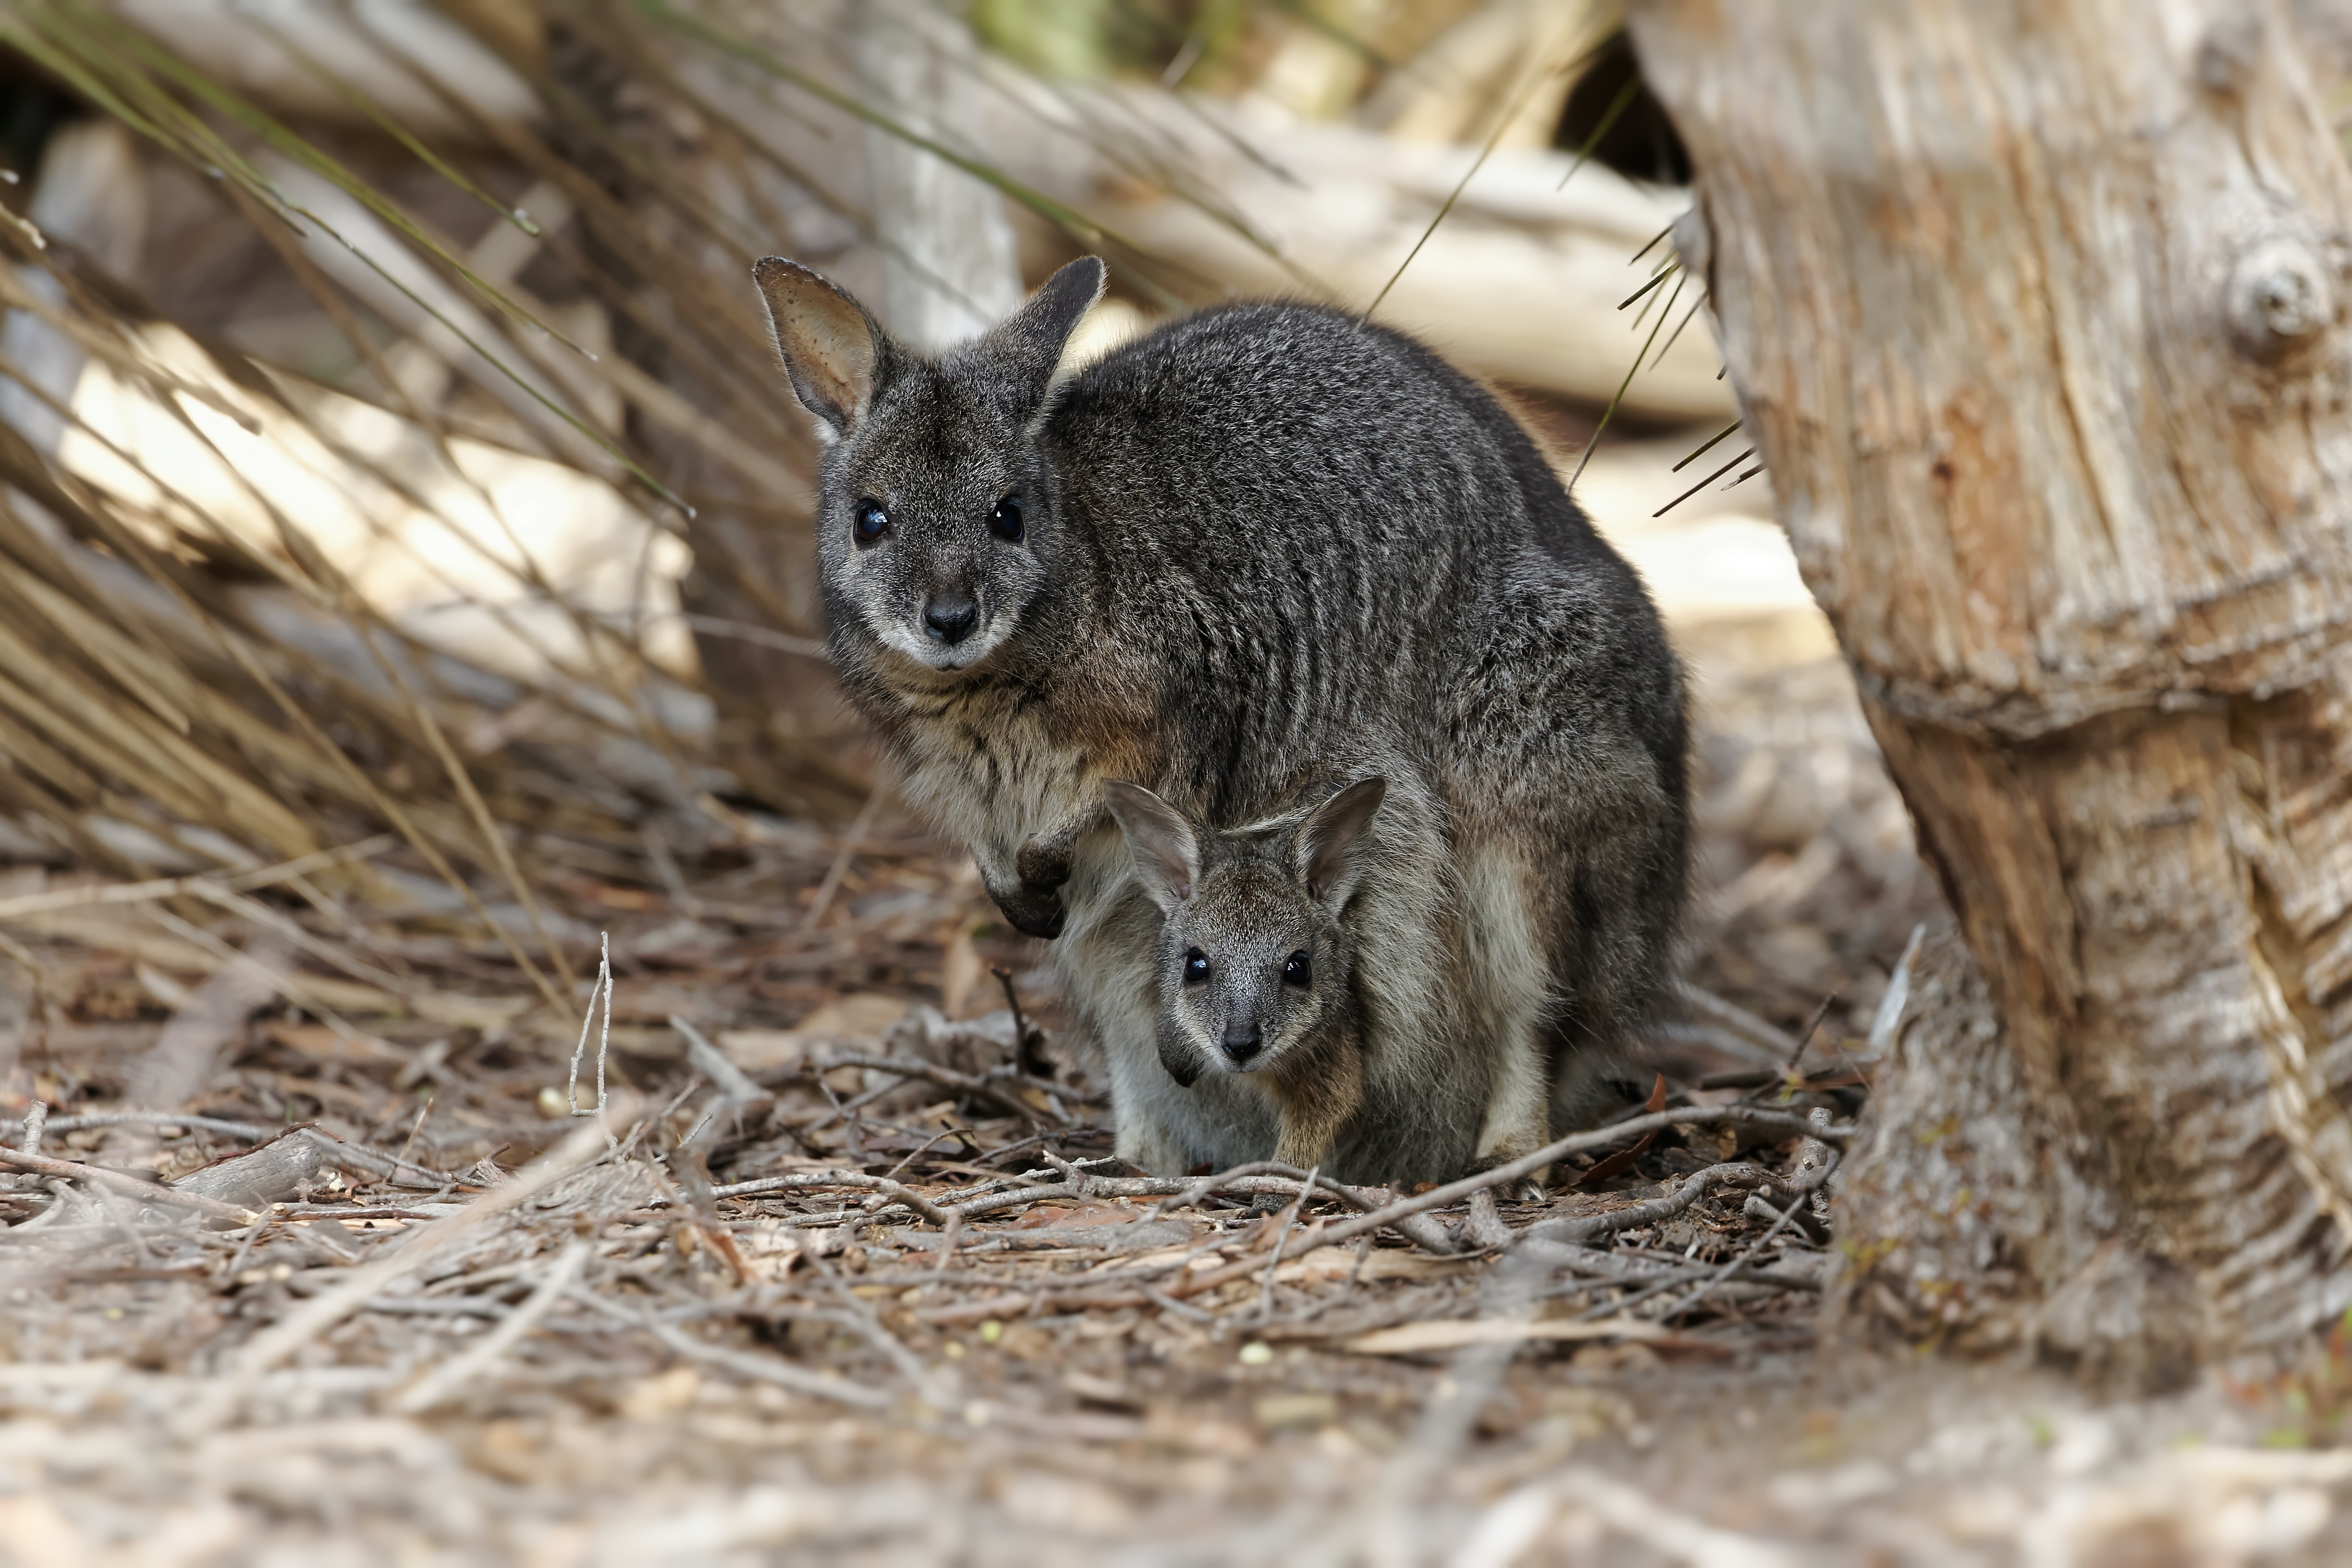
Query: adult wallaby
{"points": [[1258, 542], [1256, 967]]}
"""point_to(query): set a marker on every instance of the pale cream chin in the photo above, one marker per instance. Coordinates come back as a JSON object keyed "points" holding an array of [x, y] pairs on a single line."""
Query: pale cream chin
{"points": [[937, 656]]}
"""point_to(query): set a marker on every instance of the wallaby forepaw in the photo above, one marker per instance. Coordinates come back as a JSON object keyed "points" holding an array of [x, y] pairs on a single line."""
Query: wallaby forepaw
{"points": [[1031, 911], [1042, 866]]}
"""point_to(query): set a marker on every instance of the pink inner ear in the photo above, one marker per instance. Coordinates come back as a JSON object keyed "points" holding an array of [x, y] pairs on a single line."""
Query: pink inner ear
{"points": [[823, 336], [845, 362]]}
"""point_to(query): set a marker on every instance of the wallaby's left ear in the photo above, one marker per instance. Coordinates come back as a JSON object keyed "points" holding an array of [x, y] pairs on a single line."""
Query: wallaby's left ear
{"points": [[832, 351], [1331, 849], [1033, 337]]}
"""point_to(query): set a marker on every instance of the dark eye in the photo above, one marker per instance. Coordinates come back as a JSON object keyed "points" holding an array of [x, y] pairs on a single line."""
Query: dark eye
{"points": [[1298, 971], [1006, 522], [872, 523], [1196, 966]]}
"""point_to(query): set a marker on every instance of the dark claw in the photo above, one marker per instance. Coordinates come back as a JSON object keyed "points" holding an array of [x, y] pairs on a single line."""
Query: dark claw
{"points": [[1041, 867], [1177, 1054], [1031, 911]]}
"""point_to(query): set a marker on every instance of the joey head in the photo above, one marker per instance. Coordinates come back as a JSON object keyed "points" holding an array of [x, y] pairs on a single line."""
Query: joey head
{"points": [[1256, 966]]}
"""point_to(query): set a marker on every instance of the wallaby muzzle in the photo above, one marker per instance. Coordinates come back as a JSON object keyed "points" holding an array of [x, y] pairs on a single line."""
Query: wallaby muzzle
{"points": [[951, 617]]}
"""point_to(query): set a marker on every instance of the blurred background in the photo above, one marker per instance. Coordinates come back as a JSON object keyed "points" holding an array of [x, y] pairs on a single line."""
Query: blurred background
{"points": [[391, 443], [407, 600]]}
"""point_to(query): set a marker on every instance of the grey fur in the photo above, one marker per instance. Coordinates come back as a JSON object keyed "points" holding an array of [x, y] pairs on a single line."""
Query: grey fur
{"points": [[1264, 544]]}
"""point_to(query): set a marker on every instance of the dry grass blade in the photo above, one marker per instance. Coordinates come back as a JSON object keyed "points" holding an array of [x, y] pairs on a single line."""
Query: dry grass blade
{"points": [[480, 1358]]}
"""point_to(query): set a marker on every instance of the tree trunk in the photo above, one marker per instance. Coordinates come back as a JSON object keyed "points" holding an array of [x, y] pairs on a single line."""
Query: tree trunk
{"points": [[2034, 310], [951, 271]]}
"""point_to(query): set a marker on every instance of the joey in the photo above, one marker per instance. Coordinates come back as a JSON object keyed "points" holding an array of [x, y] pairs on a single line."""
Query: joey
{"points": [[1256, 970]]}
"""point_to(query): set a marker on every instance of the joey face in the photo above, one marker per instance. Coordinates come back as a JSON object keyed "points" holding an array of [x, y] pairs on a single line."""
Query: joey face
{"points": [[1254, 956], [935, 525], [1249, 966]]}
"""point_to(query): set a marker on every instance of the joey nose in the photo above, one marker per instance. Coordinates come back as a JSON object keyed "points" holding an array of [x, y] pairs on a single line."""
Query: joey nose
{"points": [[1242, 1042], [951, 617]]}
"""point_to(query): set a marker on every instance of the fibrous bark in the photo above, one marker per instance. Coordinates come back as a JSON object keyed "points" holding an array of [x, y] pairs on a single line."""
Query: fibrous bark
{"points": [[2035, 311]]}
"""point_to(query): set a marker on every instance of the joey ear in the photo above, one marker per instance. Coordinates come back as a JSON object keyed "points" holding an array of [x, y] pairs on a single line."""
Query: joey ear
{"points": [[832, 351], [1167, 855], [1033, 337], [1331, 849]]}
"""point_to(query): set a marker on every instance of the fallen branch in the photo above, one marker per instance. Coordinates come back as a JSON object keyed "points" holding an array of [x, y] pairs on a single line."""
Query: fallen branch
{"points": [[1799, 1195], [898, 1192], [1599, 1266], [946, 1078], [130, 1186], [1770, 1046], [1267, 1178], [1123, 1295], [712, 1063], [361, 1157], [280, 1169], [767, 1369], [1696, 1185], [174, 887], [1453, 1333], [1703, 1116]]}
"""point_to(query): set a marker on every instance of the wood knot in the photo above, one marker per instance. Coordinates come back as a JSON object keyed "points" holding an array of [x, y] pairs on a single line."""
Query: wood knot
{"points": [[2282, 297], [2228, 54]]}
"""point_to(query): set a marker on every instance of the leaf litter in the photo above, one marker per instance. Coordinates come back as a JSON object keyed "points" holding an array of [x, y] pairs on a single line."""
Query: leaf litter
{"points": [[840, 1268], [304, 1254]]}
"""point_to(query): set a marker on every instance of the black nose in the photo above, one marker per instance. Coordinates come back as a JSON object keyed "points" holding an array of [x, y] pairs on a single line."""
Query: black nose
{"points": [[951, 617], [1242, 1041]]}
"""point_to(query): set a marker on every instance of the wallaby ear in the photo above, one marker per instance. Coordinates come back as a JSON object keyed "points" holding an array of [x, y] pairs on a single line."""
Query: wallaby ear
{"points": [[1167, 855], [1331, 849], [1033, 337], [831, 348]]}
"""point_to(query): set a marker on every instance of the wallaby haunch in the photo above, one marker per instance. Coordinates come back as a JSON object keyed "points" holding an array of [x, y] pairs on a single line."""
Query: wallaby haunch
{"points": [[1261, 543], [1256, 966]]}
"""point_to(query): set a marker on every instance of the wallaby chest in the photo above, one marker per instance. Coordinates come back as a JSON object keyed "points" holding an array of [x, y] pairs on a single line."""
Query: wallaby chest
{"points": [[1002, 762]]}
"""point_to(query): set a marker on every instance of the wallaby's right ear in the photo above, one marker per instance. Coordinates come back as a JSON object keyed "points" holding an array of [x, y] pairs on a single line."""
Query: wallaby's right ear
{"points": [[1332, 853], [1034, 336], [1167, 856], [832, 349]]}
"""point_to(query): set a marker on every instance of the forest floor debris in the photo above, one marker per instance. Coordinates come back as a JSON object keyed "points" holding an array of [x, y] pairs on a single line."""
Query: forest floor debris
{"points": [[844, 1270]]}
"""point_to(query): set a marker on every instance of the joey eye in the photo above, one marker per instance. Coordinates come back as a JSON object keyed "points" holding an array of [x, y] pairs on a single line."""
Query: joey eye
{"points": [[1009, 521], [1297, 970], [1196, 966], [872, 521]]}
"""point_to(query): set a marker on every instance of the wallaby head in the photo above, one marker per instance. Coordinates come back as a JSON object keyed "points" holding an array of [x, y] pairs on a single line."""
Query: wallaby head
{"points": [[934, 528], [1254, 961]]}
